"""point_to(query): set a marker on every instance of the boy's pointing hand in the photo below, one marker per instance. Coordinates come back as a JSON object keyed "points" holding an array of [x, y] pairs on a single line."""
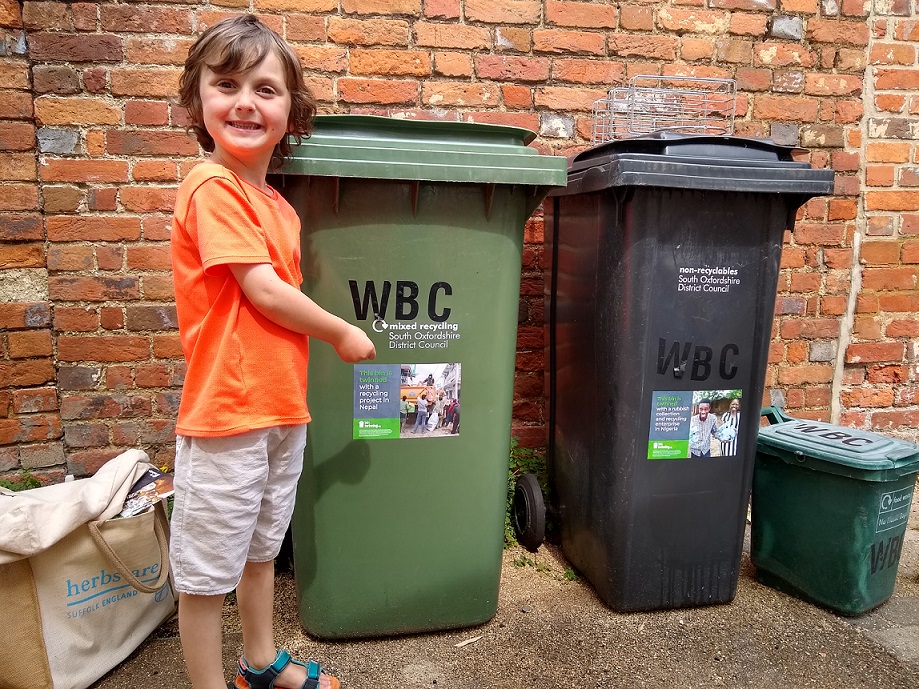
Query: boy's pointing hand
{"points": [[355, 346]]}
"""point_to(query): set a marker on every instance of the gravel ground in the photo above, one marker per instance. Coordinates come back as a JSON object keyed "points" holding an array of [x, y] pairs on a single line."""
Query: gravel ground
{"points": [[551, 632]]}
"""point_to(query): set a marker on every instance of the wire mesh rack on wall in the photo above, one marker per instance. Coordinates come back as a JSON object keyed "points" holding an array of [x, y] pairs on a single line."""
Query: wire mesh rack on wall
{"points": [[650, 103]]}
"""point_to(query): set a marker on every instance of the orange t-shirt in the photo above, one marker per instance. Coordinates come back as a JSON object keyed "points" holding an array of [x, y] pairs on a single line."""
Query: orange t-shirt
{"points": [[243, 370]]}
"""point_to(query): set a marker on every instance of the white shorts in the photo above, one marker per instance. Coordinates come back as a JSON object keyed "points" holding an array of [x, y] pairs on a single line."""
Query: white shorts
{"points": [[234, 498]]}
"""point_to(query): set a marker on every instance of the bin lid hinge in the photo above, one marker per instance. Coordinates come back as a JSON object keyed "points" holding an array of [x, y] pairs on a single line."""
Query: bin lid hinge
{"points": [[415, 186], [489, 190], [336, 195]]}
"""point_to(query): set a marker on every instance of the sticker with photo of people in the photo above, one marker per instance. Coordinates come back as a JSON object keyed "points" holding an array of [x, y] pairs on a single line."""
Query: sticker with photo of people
{"points": [[406, 400], [430, 400], [701, 423]]}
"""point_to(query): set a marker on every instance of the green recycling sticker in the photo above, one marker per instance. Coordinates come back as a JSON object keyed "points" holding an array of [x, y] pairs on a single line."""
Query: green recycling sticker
{"points": [[376, 401]]}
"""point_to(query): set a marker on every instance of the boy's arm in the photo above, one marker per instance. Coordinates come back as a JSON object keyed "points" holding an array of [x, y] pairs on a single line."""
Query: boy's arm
{"points": [[289, 307]]}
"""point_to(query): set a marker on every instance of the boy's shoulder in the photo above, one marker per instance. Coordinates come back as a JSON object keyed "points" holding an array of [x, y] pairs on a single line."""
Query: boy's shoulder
{"points": [[211, 180], [204, 171]]}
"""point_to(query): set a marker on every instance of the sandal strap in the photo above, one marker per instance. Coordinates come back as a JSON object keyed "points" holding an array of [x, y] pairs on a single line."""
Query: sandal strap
{"points": [[312, 674], [264, 678]]}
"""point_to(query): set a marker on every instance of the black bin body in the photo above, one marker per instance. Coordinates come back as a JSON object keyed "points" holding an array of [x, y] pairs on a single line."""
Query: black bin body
{"points": [[664, 256]]}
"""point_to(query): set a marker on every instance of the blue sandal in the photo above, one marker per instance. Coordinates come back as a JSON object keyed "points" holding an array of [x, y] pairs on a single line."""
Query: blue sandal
{"points": [[248, 678]]}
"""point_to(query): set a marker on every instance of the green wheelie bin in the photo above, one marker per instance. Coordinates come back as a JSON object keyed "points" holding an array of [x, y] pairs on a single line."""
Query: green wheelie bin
{"points": [[412, 230], [829, 511]]}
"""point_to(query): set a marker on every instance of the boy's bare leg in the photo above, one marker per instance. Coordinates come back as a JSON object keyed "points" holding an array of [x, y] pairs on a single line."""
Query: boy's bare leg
{"points": [[255, 598], [201, 630]]}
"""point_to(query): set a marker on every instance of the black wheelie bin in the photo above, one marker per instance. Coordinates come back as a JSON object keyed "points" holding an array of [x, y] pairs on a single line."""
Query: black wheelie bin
{"points": [[664, 258]]}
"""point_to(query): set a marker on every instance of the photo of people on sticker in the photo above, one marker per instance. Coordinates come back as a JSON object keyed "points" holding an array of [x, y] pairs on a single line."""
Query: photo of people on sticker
{"points": [[430, 397], [715, 423]]}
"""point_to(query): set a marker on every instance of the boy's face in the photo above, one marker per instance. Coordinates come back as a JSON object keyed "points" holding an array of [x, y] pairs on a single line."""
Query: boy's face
{"points": [[246, 113]]}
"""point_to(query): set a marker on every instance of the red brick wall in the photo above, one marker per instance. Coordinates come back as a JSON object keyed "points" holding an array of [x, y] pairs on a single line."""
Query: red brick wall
{"points": [[878, 386], [91, 151], [30, 424]]}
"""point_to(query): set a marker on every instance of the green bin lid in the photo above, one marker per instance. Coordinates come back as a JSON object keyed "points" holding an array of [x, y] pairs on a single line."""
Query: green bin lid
{"points": [[840, 450], [374, 147]]}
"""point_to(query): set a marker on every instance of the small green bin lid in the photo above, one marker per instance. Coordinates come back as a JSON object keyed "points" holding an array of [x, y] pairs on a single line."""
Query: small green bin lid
{"points": [[839, 450], [374, 147]]}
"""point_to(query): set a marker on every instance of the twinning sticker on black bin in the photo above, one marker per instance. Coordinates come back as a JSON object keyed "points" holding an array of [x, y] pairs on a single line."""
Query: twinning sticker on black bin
{"points": [[406, 401], [701, 423]]}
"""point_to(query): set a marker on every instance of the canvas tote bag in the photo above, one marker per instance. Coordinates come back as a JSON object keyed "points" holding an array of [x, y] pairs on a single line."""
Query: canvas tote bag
{"points": [[79, 591]]}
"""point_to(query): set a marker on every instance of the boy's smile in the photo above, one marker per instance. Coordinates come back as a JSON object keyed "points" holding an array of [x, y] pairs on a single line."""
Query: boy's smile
{"points": [[246, 114]]}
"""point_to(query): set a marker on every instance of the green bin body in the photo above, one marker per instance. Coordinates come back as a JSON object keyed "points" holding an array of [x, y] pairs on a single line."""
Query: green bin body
{"points": [[830, 507], [413, 231]]}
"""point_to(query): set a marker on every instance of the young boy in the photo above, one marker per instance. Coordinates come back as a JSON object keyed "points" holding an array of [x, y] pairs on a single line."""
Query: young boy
{"points": [[244, 326]]}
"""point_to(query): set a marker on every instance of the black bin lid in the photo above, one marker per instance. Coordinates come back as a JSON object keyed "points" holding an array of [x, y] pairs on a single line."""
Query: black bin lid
{"points": [[682, 161]]}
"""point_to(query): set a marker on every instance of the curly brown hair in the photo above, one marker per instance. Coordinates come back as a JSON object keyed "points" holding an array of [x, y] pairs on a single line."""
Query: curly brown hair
{"points": [[235, 45]]}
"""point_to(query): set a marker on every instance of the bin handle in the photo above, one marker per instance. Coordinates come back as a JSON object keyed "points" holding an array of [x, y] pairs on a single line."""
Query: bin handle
{"points": [[775, 415]]}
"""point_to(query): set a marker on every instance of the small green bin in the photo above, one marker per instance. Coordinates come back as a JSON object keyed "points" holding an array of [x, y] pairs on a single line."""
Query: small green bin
{"points": [[413, 231], [830, 508]]}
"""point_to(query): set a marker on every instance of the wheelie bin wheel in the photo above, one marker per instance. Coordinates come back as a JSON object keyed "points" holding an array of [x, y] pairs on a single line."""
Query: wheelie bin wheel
{"points": [[528, 511]]}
